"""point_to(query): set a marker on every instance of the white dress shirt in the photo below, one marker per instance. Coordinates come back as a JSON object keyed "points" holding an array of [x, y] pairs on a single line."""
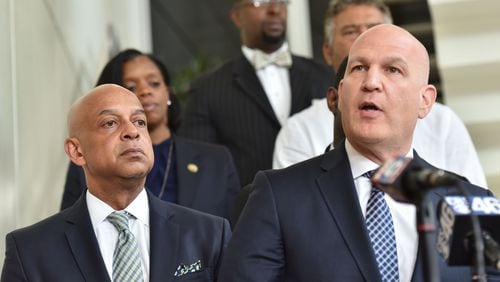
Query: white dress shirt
{"points": [[107, 235], [276, 83], [403, 215], [440, 138]]}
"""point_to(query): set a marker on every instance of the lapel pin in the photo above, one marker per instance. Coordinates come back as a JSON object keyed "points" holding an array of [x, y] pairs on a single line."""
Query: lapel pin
{"points": [[193, 168]]}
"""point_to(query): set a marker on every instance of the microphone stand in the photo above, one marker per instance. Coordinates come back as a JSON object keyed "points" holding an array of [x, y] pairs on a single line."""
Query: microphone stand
{"points": [[426, 227], [478, 262]]}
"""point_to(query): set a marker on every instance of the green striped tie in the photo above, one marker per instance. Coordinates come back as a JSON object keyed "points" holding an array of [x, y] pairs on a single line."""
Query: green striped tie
{"points": [[126, 257]]}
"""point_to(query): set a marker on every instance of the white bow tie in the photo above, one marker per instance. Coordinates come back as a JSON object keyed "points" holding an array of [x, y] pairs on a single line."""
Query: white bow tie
{"points": [[281, 58]]}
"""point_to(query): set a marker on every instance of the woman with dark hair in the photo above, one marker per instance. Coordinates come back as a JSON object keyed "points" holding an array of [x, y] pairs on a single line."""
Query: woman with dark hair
{"points": [[198, 175]]}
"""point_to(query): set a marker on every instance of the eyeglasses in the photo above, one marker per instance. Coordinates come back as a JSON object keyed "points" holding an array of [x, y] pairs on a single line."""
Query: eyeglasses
{"points": [[262, 3]]}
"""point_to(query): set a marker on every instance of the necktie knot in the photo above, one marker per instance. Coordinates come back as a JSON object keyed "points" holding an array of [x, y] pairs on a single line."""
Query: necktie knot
{"points": [[281, 58], [369, 174], [119, 219]]}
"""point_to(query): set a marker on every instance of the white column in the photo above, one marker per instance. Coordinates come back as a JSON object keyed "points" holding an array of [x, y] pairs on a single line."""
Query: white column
{"points": [[299, 28], [467, 38]]}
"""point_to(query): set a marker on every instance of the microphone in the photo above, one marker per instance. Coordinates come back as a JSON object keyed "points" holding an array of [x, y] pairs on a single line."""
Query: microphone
{"points": [[405, 180], [455, 240]]}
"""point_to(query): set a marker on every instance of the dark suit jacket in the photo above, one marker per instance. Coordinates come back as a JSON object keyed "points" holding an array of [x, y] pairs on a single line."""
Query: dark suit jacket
{"points": [[304, 223], [212, 189], [229, 107], [64, 247]]}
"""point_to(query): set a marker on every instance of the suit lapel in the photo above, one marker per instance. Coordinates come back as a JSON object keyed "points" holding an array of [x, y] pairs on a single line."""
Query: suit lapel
{"points": [[164, 241], [187, 180], [83, 243], [297, 86], [246, 79], [341, 198]]}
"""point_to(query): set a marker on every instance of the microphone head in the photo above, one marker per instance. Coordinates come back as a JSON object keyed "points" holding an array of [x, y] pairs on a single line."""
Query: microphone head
{"points": [[405, 180], [390, 178]]}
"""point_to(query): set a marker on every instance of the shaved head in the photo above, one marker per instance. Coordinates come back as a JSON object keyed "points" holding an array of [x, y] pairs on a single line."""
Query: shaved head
{"points": [[385, 91], [108, 137], [80, 109], [391, 35]]}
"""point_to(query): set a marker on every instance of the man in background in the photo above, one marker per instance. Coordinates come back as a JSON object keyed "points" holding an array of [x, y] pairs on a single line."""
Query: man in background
{"points": [[441, 138], [244, 103]]}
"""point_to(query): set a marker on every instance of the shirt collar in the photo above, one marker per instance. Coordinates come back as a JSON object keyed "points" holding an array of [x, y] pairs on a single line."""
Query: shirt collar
{"points": [[360, 164], [99, 210]]}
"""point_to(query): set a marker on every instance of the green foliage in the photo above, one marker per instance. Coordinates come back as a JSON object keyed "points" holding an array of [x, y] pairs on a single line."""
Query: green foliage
{"points": [[181, 80]]}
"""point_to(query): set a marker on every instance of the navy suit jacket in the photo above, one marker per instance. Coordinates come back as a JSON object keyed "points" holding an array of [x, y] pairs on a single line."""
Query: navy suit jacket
{"points": [[212, 189], [304, 223], [230, 107], [64, 247]]}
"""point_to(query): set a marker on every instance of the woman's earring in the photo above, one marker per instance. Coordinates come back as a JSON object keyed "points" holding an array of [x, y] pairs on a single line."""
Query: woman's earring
{"points": [[169, 103]]}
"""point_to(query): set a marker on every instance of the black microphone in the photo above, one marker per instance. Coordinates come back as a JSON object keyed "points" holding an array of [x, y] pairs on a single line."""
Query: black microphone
{"points": [[455, 240], [405, 180]]}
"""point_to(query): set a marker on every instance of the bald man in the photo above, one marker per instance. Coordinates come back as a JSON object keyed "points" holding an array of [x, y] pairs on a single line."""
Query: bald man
{"points": [[310, 222], [441, 138], [108, 137]]}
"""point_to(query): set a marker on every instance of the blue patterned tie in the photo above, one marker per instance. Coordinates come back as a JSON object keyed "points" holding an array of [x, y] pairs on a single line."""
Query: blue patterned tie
{"points": [[381, 232], [126, 257]]}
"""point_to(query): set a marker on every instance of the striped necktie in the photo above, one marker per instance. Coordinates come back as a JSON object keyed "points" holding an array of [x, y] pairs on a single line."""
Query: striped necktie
{"points": [[381, 231], [126, 257]]}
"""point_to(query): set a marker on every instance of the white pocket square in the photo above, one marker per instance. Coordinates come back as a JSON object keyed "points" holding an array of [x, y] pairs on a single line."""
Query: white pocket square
{"points": [[183, 269]]}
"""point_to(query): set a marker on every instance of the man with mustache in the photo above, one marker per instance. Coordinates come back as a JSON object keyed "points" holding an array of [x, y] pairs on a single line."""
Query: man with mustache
{"points": [[243, 104], [116, 231]]}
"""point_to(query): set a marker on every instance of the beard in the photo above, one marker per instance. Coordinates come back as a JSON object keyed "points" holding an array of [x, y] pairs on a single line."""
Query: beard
{"points": [[273, 39]]}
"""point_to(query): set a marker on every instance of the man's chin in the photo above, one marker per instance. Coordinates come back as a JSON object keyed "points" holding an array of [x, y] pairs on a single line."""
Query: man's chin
{"points": [[273, 39], [136, 173]]}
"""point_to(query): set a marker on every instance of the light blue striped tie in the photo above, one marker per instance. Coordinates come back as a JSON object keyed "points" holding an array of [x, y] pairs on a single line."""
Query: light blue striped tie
{"points": [[381, 231], [126, 257]]}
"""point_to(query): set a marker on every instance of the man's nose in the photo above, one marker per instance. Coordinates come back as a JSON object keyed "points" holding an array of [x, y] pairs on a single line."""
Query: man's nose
{"points": [[372, 80], [130, 131]]}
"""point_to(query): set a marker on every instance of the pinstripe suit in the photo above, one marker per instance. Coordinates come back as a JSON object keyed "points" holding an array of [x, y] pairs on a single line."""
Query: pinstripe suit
{"points": [[229, 107]]}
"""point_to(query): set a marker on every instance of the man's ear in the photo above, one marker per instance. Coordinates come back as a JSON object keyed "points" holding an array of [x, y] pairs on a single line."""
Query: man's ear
{"points": [[235, 17], [428, 98], [73, 151], [339, 90], [332, 98], [327, 53]]}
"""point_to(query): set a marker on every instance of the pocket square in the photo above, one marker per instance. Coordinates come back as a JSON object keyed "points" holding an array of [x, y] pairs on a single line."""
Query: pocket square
{"points": [[185, 269]]}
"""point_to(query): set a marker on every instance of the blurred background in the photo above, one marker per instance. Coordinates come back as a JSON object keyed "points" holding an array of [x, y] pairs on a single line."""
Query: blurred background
{"points": [[51, 52]]}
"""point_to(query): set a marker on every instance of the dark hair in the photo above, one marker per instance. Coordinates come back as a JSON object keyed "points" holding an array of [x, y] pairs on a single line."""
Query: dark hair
{"points": [[113, 73], [340, 72]]}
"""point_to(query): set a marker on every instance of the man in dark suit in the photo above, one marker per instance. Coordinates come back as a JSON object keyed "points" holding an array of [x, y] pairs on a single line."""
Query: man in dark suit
{"points": [[313, 221], [243, 104], [162, 241]]}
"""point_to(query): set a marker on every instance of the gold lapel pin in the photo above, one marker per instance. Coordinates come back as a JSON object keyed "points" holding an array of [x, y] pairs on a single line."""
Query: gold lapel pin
{"points": [[192, 168]]}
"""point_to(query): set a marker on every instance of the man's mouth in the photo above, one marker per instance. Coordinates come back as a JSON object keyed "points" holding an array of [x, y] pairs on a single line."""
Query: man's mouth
{"points": [[133, 151], [368, 106]]}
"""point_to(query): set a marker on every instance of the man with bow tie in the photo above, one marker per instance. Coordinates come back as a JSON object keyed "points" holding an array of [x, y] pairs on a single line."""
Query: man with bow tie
{"points": [[244, 103]]}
